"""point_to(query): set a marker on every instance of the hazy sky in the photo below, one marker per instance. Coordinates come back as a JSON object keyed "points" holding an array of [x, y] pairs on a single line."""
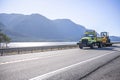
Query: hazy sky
{"points": [[101, 15]]}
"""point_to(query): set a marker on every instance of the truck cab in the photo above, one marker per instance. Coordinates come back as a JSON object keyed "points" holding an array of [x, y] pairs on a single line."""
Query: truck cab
{"points": [[90, 39]]}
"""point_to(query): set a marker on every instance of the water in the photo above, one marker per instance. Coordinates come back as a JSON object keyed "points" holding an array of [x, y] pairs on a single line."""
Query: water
{"points": [[36, 44]]}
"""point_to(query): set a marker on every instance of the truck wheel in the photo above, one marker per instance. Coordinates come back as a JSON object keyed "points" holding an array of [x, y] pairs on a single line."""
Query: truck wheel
{"points": [[110, 44], [106, 45], [81, 47], [100, 45], [91, 46]]}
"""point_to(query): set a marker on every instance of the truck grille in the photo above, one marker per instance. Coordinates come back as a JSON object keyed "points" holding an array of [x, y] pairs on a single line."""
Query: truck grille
{"points": [[84, 41]]}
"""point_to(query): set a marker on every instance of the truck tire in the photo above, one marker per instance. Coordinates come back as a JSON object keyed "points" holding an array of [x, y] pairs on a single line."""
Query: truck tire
{"points": [[100, 45], [92, 46], [110, 44], [81, 47]]}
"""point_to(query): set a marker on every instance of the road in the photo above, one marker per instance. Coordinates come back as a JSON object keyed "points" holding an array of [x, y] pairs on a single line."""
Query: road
{"points": [[29, 66], [111, 71]]}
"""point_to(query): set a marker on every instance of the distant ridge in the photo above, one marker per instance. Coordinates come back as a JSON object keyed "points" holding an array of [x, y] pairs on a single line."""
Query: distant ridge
{"points": [[36, 27]]}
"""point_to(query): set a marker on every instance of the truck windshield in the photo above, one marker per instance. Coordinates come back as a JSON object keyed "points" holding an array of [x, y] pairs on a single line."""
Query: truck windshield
{"points": [[88, 35]]}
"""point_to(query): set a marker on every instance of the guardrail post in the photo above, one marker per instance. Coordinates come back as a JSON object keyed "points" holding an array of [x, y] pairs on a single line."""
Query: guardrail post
{"points": [[51, 49], [18, 51], [41, 49], [32, 51]]}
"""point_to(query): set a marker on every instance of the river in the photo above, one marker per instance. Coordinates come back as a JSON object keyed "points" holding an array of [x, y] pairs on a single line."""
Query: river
{"points": [[35, 44]]}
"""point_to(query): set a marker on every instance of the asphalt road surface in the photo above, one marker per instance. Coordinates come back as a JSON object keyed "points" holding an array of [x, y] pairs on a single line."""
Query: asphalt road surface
{"points": [[29, 66], [111, 71]]}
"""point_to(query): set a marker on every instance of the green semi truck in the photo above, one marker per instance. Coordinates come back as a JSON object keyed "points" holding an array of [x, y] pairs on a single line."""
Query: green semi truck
{"points": [[91, 39]]}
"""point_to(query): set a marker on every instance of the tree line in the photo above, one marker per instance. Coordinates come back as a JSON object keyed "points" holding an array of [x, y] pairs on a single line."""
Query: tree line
{"points": [[4, 40]]}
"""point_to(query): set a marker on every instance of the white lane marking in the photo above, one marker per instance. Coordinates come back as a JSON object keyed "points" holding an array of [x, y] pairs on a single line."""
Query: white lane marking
{"points": [[9, 62], [18, 61], [63, 69], [27, 59]]}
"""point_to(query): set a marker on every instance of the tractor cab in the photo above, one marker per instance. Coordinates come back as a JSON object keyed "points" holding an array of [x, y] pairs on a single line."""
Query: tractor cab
{"points": [[104, 34]]}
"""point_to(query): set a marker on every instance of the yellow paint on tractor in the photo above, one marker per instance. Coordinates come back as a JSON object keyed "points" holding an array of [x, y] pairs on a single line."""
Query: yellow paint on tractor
{"points": [[104, 39]]}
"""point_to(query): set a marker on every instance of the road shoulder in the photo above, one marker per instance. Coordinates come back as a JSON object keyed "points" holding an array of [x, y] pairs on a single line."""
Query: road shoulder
{"points": [[111, 71]]}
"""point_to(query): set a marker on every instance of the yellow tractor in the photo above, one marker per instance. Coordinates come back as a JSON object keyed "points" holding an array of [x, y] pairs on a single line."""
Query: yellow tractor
{"points": [[105, 39]]}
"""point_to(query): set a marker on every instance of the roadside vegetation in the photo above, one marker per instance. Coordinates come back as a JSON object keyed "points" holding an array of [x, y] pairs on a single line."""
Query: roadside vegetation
{"points": [[4, 40]]}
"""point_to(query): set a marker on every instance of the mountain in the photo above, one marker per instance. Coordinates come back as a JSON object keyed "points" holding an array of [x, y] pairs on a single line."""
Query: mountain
{"points": [[115, 38], [36, 27], [12, 34]]}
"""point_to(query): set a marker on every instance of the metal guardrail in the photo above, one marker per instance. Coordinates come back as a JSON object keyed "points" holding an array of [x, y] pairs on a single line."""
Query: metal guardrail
{"points": [[115, 42], [21, 50]]}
